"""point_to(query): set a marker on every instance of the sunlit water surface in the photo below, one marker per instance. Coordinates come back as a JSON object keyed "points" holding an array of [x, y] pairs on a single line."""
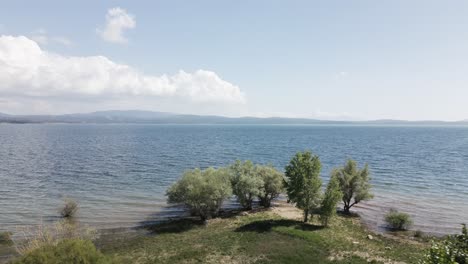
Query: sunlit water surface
{"points": [[119, 173]]}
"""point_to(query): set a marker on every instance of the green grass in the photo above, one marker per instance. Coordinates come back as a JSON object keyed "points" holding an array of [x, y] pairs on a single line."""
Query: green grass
{"points": [[262, 238]]}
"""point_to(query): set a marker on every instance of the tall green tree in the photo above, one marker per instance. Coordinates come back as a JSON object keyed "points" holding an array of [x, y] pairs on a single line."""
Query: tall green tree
{"points": [[354, 184], [202, 191], [303, 182], [330, 199], [272, 184], [246, 183]]}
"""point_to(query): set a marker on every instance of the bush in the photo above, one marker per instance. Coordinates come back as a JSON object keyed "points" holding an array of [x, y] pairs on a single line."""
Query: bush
{"points": [[5, 238], [51, 235], [452, 250], [272, 184], [202, 191], [330, 200], [246, 183], [354, 184], [69, 209], [398, 220], [71, 251], [418, 234]]}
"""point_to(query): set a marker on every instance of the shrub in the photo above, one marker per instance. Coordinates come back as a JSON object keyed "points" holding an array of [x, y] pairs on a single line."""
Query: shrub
{"points": [[303, 182], [418, 234], [246, 183], [398, 220], [70, 251], [354, 184], [272, 184], [202, 191], [41, 236], [5, 238], [330, 199], [69, 209], [451, 250]]}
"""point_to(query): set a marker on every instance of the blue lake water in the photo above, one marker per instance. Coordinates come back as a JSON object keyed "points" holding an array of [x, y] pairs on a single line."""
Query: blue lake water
{"points": [[119, 173]]}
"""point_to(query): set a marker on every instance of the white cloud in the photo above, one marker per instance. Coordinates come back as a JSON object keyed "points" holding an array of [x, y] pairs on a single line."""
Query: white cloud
{"points": [[40, 36], [26, 70], [117, 20]]}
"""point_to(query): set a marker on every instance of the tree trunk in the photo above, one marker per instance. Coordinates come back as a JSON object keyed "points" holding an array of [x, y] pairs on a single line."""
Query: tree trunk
{"points": [[346, 206], [306, 215], [346, 209]]}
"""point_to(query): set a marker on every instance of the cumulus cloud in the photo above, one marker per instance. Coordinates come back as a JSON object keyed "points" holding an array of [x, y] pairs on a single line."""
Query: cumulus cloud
{"points": [[26, 70], [117, 20]]}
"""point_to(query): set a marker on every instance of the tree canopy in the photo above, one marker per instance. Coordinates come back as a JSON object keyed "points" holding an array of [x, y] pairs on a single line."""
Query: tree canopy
{"points": [[330, 199], [246, 183], [303, 183], [203, 191], [272, 183], [354, 183]]}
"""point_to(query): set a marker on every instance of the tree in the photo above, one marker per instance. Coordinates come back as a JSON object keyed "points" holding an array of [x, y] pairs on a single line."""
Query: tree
{"points": [[303, 182], [354, 184], [203, 191], [246, 183], [272, 184], [331, 198]]}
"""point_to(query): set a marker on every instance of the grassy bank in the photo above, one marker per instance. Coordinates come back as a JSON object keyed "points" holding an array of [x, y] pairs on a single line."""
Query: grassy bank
{"points": [[273, 236]]}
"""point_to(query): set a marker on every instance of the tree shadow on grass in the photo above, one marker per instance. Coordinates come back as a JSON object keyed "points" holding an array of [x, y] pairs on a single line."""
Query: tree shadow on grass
{"points": [[173, 226], [266, 226]]}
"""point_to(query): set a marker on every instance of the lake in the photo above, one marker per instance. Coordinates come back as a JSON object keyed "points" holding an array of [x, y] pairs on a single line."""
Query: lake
{"points": [[119, 173]]}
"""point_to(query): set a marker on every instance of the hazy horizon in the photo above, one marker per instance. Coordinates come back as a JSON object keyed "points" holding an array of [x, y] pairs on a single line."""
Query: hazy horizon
{"points": [[136, 111], [333, 60]]}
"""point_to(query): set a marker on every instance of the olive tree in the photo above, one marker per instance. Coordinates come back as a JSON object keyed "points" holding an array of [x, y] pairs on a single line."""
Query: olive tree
{"points": [[246, 183], [272, 184], [303, 183], [354, 184], [330, 199], [203, 191]]}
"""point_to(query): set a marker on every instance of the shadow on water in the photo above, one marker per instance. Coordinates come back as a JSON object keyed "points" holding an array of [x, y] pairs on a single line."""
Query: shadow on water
{"points": [[267, 225], [347, 215]]}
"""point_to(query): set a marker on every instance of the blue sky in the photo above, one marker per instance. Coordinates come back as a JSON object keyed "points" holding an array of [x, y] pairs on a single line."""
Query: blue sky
{"points": [[328, 59]]}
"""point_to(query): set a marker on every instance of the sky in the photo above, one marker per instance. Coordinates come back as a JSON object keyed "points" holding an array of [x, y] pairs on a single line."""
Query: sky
{"points": [[334, 60]]}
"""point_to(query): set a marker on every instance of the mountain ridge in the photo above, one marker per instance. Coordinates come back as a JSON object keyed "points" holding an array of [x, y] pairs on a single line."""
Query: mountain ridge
{"points": [[155, 117]]}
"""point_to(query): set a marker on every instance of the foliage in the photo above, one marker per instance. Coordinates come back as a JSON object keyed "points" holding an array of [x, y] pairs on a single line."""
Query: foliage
{"points": [[246, 183], [5, 238], [330, 199], [398, 220], [72, 251], [354, 184], [303, 182], [203, 191], [69, 209], [452, 250], [272, 184]]}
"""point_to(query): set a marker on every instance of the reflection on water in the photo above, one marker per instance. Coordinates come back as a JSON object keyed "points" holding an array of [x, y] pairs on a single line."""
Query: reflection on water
{"points": [[119, 173]]}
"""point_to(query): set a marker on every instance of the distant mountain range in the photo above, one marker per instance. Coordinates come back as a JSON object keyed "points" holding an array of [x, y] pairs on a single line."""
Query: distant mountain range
{"points": [[149, 117]]}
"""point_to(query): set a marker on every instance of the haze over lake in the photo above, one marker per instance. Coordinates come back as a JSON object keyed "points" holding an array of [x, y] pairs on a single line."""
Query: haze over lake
{"points": [[119, 173]]}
